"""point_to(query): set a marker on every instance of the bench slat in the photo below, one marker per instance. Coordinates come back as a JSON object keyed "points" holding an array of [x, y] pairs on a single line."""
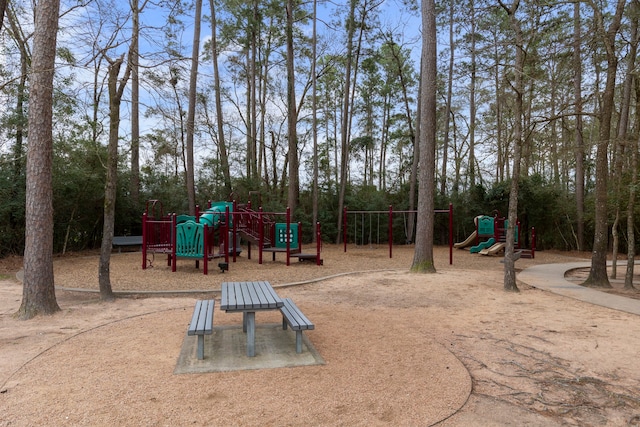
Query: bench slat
{"points": [[250, 295], [201, 326], [194, 318], [296, 319], [271, 294], [292, 316], [261, 296], [209, 323], [201, 323], [202, 319]]}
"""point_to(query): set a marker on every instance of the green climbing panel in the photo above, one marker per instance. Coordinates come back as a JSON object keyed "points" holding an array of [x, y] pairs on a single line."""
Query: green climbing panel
{"points": [[281, 236], [485, 226]]}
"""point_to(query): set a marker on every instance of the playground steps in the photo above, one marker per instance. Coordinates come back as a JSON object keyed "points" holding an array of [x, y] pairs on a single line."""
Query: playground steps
{"points": [[282, 250], [526, 253], [521, 253], [251, 238], [307, 257]]}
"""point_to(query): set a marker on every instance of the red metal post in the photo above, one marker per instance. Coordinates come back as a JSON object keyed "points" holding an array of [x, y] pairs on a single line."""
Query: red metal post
{"points": [[169, 228], [390, 236], [238, 219], [225, 238], [450, 233], [205, 250], [287, 234], [174, 242], [144, 241], [344, 228], [260, 235], [318, 243]]}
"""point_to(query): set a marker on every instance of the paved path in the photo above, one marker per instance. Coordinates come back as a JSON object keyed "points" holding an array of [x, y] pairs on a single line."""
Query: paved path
{"points": [[550, 277]]}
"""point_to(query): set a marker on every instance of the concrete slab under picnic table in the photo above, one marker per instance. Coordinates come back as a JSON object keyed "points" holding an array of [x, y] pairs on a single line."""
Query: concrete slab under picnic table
{"points": [[225, 350]]}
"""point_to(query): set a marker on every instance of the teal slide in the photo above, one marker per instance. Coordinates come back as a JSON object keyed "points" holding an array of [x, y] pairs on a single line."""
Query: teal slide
{"points": [[482, 245]]}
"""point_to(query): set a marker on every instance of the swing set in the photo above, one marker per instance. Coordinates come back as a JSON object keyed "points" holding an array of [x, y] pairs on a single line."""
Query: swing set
{"points": [[361, 228]]}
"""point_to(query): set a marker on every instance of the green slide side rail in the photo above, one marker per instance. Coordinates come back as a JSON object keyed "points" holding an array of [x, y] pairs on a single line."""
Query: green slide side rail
{"points": [[482, 245]]}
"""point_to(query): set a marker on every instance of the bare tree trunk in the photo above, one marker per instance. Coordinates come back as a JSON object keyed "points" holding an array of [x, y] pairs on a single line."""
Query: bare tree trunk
{"points": [[579, 143], [253, 105], [292, 115], [633, 148], [3, 7], [413, 179], [21, 98], [38, 291], [222, 145], [180, 143], [423, 256], [502, 157], [598, 272], [111, 182], [191, 112], [314, 118], [518, 86], [134, 184], [104, 279], [621, 140], [633, 167], [249, 117], [553, 147], [447, 118], [344, 155], [262, 93], [472, 102]]}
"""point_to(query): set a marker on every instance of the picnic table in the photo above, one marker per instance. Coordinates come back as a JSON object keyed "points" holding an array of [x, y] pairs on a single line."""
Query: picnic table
{"points": [[120, 241], [247, 298]]}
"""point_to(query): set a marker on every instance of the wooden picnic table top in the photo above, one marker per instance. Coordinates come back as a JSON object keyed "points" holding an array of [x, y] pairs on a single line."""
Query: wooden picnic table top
{"points": [[249, 296]]}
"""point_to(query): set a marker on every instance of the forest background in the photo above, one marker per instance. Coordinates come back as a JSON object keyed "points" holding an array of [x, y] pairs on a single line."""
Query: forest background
{"points": [[209, 120]]}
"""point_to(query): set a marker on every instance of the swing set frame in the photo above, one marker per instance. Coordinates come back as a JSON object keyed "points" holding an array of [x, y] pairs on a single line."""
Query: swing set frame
{"points": [[390, 213]]}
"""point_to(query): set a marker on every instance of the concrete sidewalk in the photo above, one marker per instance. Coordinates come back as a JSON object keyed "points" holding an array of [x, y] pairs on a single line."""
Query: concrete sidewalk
{"points": [[550, 277]]}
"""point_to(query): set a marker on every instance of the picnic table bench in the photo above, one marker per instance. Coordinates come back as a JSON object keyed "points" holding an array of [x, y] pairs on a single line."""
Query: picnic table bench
{"points": [[123, 241], [202, 323], [295, 319]]}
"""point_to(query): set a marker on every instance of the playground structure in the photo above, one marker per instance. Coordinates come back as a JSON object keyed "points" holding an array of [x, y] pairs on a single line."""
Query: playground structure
{"points": [[494, 230], [390, 213], [262, 229], [221, 225]]}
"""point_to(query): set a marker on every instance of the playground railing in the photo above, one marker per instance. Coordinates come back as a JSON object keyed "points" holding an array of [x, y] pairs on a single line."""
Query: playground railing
{"points": [[269, 235], [257, 224], [157, 236]]}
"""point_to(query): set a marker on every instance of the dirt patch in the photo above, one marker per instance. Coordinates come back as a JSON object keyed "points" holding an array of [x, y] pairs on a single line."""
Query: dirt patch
{"points": [[532, 358]]}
